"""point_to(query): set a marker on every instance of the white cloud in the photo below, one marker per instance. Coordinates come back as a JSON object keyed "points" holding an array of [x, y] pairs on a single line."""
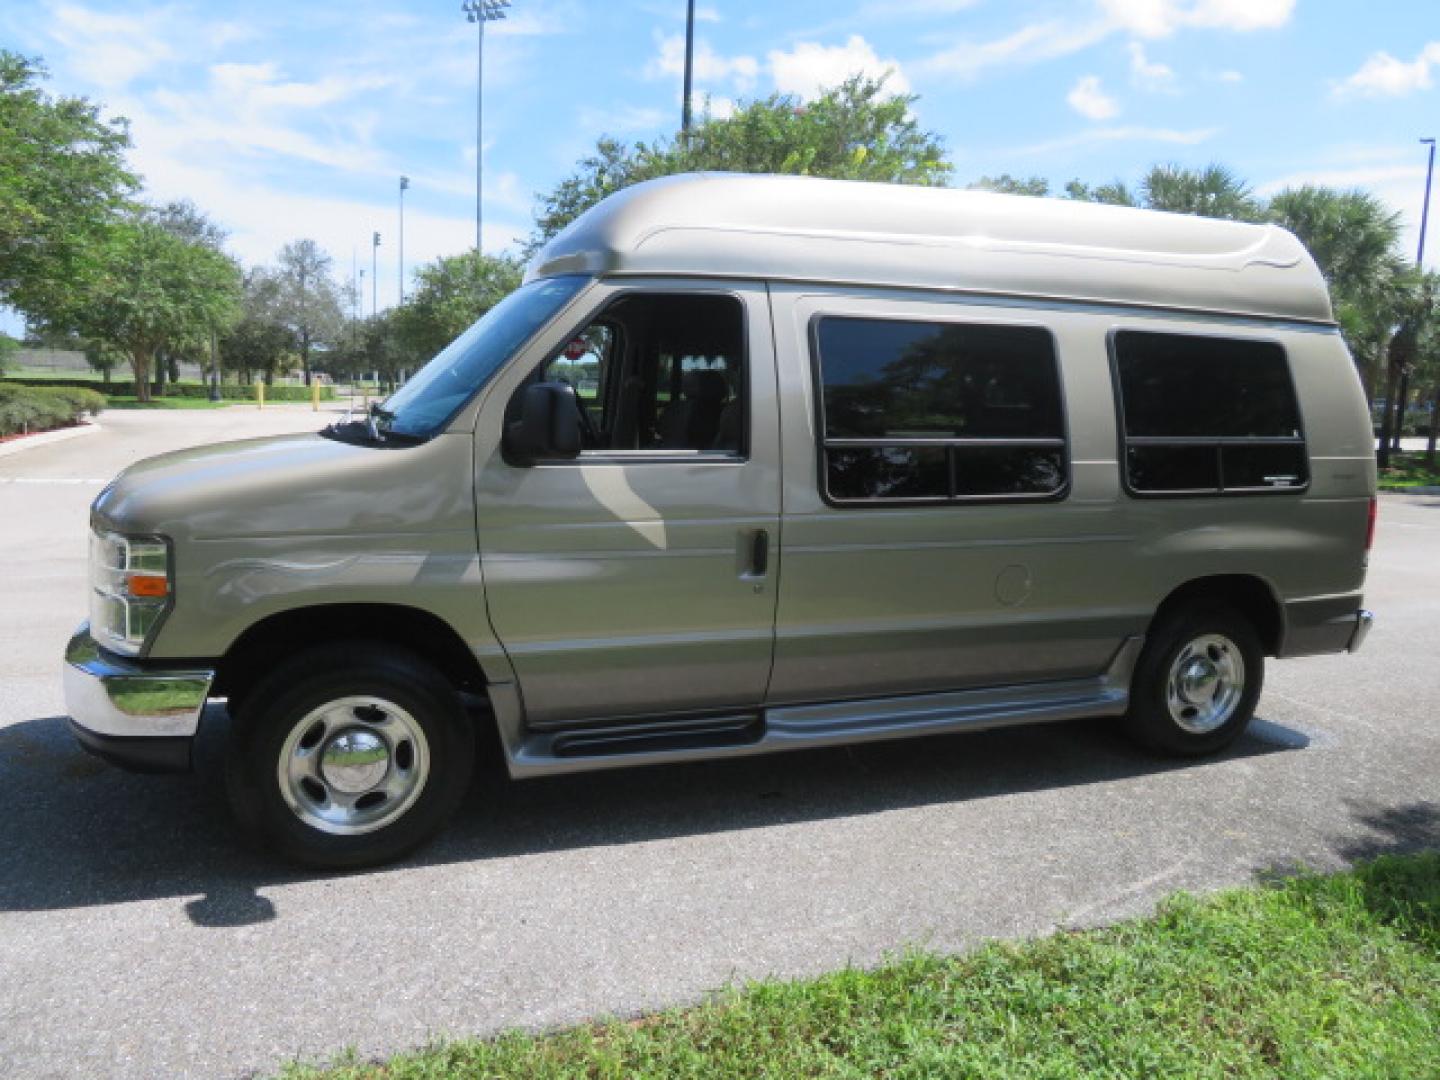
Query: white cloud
{"points": [[892, 8], [717, 108], [1028, 45], [1382, 75], [1230, 76], [1368, 177], [810, 67], [707, 15], [112, 50], [1090, 101], [1095, 136], [623, 119], [709, 66], [1160, 18], [1147, 74]]}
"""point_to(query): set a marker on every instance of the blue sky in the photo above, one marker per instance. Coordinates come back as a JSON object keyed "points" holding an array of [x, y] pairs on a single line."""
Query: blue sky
{"points": [[292, 119]]}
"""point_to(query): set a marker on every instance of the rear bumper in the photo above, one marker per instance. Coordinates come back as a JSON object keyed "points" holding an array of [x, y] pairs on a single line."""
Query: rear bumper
{"points": [[139, 715], [1325, 625], [1363, 621]]}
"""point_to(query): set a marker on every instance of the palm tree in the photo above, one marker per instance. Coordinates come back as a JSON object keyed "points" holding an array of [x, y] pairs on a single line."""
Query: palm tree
{"points": [[1213, 191], [1352, 234]]}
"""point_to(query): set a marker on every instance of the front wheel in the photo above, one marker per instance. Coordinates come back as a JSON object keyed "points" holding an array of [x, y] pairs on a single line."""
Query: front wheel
{"points": [[1197, 681], [349, 756]]}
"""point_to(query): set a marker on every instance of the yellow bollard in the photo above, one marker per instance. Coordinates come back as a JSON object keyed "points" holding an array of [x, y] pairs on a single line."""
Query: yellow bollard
{"points": [[315, 396], [260, 394]]}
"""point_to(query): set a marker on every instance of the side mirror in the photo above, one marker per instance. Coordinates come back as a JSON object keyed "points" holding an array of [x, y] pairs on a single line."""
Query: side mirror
{"points": [[548, 427]]}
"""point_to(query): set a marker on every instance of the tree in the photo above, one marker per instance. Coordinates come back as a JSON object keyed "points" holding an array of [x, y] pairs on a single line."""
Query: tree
{"points": [[63, 186], [855, 131], [1006, 184], [309, 301], [450, 294], [1213, 191], [8, 348], [153, 290], [259, 341], [1115, 193], [1353, 236], [102, 358], [184, 219]]}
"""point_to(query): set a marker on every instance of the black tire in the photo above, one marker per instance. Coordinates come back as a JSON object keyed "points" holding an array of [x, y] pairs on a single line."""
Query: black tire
{"points": [[436, 738], [1179, 728]]}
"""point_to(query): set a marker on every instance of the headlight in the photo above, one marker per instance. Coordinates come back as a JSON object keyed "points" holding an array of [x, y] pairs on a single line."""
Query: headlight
{"points": [[129, 589]]}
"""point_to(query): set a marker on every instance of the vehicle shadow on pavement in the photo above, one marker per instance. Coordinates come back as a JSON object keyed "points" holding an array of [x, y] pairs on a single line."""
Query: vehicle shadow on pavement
{"points": [[82, 833]]}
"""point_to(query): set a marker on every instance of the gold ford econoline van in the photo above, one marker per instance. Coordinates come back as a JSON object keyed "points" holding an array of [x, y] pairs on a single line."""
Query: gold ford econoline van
{"points": [[754, 463]]}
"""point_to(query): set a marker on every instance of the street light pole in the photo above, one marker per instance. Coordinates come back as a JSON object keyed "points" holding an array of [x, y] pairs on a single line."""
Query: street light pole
{"points": [[480, 12], [374, 274], [404, 183], [689, 64], [1425, 207], [1404, 396]]}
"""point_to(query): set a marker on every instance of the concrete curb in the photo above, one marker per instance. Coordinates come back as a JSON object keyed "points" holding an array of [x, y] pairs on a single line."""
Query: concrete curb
{"points": [[45, 438]]}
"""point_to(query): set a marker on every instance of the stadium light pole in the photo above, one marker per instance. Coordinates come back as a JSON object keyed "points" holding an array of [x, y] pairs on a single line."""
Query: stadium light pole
{"points": [[404, 183], [480, 12], [689, 64]]}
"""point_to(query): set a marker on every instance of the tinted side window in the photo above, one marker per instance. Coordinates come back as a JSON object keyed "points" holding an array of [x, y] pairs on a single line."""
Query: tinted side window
{"points": [[938, 411], [1205, 414], [660, 372]]}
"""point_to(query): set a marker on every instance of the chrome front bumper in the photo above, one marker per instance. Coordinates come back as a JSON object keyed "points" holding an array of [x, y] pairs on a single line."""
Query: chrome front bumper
{"points": [[135, 715]]}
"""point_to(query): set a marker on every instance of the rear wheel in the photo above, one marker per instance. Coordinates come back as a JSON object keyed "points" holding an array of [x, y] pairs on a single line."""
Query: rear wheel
{"points": [[1197, 681], [349, 756]]}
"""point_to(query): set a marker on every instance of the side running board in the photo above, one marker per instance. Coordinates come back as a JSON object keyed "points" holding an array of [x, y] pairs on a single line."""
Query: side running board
{"points": [[795, 727]]}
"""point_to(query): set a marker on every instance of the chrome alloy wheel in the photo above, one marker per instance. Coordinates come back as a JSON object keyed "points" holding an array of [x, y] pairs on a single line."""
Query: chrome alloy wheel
{"points": [[1206, 683], [353, 765]]}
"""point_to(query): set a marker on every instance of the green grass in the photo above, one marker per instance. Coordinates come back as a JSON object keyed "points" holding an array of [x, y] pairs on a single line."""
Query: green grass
{"points": [[119, 401], [1408, 471], [1312, 976]]}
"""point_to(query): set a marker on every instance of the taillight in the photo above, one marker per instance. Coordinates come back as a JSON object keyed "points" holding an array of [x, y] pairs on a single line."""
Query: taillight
{"points": [[1370, 522]]}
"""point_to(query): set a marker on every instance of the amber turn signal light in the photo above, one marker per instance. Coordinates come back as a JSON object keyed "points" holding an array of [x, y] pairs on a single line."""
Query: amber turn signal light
{"points": [[147, 585]]}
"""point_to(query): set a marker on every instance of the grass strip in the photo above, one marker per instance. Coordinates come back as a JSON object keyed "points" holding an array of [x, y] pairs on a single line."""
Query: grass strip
{"points": [[1408, 471], [120, 401], [1335, 975]]}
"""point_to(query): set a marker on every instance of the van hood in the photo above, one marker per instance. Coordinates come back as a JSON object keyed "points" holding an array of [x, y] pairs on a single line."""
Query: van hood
{"points": [[290, 485]]}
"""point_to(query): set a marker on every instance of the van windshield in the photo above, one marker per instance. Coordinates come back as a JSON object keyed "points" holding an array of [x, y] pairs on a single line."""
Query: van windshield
{"points": [[435, 393]]}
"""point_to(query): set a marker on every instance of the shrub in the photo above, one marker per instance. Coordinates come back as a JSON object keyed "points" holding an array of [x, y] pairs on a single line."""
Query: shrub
{"points": [[229, 391], [40, 408]]}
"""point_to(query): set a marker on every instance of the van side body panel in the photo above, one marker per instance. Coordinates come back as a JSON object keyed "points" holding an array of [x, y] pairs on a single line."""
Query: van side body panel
{"points": [[881, 599]]}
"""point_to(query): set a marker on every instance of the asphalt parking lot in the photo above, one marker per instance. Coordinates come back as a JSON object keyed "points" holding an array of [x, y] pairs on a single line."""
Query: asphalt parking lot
{"points": [[138, 939]]}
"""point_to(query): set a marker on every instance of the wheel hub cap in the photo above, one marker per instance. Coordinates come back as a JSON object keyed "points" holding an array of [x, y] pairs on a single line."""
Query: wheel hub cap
{"points": [[354, 761], [1206, 683], [1198, 681], [353, 765]]}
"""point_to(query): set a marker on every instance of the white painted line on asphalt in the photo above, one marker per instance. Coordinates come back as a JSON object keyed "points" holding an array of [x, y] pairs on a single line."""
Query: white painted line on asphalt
{"points": [[50, 480]]}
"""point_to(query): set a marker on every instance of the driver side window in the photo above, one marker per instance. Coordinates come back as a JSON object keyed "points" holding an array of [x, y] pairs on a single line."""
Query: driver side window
{"points": [[661, 373]]}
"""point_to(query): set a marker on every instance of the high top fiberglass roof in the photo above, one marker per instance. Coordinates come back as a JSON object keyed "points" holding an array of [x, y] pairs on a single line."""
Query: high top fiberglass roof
{"points": [[798, 228]]}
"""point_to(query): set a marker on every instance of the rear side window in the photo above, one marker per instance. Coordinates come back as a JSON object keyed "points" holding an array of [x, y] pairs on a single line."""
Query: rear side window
{"points": [[938, 412], [1207, 415]]}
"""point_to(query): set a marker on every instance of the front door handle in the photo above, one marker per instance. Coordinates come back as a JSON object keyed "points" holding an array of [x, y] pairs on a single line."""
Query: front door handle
{"points": [[760, 553]]}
